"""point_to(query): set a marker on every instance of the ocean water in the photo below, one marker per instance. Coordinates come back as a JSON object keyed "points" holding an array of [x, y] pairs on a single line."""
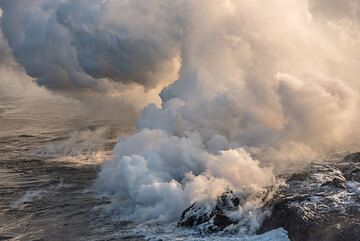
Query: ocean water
{"points": [[51, 149]]}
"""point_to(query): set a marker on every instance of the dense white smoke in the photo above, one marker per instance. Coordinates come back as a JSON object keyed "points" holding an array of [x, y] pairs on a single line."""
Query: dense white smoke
{"points": [[80, 44], [93, 51], [262, 84]]}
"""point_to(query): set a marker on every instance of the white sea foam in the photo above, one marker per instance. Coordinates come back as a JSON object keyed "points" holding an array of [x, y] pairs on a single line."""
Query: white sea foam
{"points": [[157, 232]]}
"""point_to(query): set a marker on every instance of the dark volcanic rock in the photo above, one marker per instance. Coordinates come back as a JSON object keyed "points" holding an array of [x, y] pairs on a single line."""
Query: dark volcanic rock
{"points": [[211, 219], [230, 212], [320, 203]]}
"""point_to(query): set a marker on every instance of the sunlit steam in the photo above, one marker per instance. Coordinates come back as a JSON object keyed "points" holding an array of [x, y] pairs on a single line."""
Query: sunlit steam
{"points": [[261, 85]]}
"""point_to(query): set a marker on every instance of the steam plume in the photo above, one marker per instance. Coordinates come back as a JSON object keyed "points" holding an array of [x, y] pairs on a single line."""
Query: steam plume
{"points": [[79, 44], [262, 84]]}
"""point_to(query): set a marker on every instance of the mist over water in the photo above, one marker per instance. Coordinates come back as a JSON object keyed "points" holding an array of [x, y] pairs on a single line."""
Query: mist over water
{"points": [[50, 148], [247, 89], [262, 86], [32, 117]]}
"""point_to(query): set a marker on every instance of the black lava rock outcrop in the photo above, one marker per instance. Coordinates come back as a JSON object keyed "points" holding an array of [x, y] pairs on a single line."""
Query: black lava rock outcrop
{"points": [[322, 202], [226, 214], [211, 219]]}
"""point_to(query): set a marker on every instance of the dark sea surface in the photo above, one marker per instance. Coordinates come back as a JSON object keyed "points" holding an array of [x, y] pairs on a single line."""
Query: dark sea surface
{"points": [[46, 193]]}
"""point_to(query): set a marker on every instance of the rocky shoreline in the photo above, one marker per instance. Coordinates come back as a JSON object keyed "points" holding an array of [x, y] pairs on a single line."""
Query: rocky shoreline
{"points": [[321, 202]]}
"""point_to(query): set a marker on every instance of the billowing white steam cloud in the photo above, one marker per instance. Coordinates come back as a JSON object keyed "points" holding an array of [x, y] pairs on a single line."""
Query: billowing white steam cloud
{"points": [[93, 51], [80, 44], [262, 83], [268, 80]]}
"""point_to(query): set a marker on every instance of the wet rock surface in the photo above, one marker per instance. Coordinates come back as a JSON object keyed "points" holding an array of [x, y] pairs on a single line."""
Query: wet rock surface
{"points": [[232, 213], [211, 219], [322, 202]]}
